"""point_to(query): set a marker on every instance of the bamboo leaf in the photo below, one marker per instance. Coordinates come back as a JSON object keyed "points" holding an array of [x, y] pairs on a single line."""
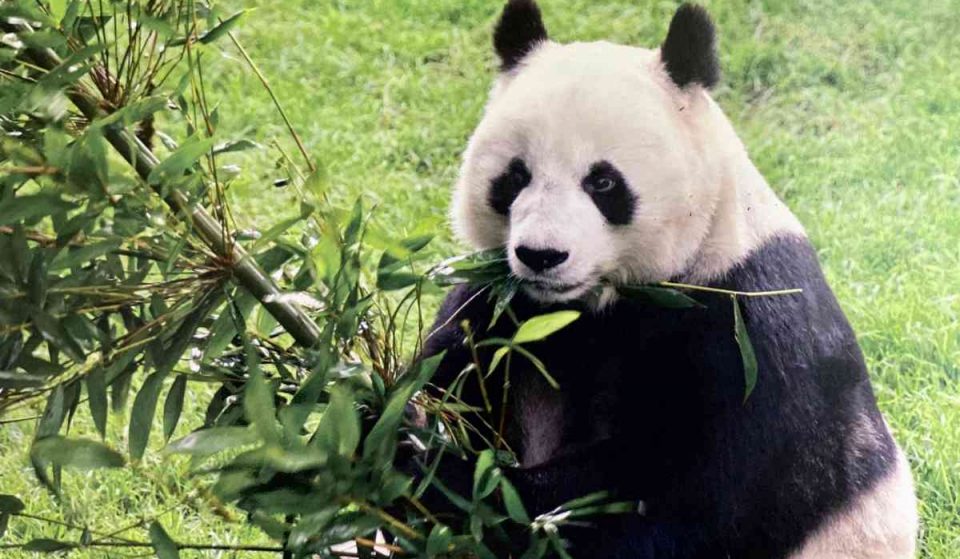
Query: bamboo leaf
{"points": [[747, 354], [141, 416], [497, 357], [32, 206], [174, 166], [213, 440], [162, 543], [503, 293], [379, 444], [225, 327], [539, 327], [19, 380], [173, 406], [439, 541], [52, 419], [258, 404], [46, 545], [485, 475], [135, 111], [56, 335], [339, 429], [11, 504], [81, 454], [235, 145], [97, 399], [221, 28], [75, 257], [513, 503], [659, 296]]}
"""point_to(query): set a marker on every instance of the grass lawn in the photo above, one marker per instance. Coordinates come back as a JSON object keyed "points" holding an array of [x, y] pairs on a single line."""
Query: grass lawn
{"points": [[850, 109]]}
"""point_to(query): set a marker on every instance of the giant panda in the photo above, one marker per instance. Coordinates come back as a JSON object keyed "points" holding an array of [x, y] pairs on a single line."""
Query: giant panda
{"points": [[597, 165]]}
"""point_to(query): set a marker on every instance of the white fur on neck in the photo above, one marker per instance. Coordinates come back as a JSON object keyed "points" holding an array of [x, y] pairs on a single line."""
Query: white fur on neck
{"points": [[747, 213]]}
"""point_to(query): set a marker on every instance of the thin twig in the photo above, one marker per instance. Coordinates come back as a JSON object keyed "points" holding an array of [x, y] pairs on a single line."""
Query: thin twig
{"points": [[729, 291], [276, 101]]}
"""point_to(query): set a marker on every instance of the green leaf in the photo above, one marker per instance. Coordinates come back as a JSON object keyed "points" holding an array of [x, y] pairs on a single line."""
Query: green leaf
{"points": [[558, 545], [513, 503], [37, 287], [53, 414], [55, 334], [394, 271], [163, 545], [97, 399], [339, 429], [19, 380], [11, 504], [665, 297], [235, 145], [81, 454], [225, 327], [439, 541], [258, 404], [72, 68], [503, 293], [134, 112], [486, 476], [393, 281], [477, 268], [76, 256], [141, 416], [497, 357], [379, 444], [274, 232], [173, 406], [29, 207], [88, 170], [587, 500], [747, 355], [213, 440], [311, 525], [539, 327], [174, 166], [221, 28], [46, 545]]}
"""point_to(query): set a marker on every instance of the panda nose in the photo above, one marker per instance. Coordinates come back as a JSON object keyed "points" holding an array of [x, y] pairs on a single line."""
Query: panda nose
{"points": [[538, 259]]}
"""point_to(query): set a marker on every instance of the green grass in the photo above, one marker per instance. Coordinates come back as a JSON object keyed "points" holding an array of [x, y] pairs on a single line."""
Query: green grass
{"points": [[850, 109]]}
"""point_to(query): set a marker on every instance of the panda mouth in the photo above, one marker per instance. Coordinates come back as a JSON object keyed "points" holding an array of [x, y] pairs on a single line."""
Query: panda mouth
{"points": [[555, 288]]}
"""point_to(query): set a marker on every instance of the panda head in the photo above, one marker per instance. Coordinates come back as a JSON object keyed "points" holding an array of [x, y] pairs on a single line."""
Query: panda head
{"points": [[594, 163]]}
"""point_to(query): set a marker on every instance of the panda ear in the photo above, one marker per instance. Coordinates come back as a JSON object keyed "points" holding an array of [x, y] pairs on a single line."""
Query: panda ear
{"points": [[689, 52], [519, 30]]}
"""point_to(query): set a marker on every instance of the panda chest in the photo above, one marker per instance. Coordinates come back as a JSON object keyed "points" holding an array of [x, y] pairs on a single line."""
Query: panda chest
{"points": [[547, 422]]}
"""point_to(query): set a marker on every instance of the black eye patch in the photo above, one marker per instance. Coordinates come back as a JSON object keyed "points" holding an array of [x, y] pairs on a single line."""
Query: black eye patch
{"points": [[610, 193], [505, 188]]}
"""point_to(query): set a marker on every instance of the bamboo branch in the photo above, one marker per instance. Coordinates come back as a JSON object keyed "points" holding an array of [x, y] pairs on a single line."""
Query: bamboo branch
{"points": [[244, 268]]}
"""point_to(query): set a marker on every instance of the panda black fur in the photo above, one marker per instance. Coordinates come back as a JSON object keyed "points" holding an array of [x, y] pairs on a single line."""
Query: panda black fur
{"points": [[651, 400]]}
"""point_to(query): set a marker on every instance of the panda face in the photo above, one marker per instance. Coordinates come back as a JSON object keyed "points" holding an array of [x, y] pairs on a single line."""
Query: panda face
{"points": [[589, 168]]}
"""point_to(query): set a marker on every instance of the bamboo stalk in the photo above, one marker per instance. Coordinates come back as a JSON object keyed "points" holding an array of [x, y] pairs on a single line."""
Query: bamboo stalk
{"points": [[244, 268]]}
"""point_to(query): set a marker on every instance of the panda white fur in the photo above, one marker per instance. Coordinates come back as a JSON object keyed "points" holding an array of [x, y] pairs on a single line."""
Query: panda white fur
{"points": [[597, 162]]}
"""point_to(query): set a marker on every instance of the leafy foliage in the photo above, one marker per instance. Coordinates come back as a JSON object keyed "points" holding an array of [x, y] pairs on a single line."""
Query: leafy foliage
{"points": [[125, 285]]}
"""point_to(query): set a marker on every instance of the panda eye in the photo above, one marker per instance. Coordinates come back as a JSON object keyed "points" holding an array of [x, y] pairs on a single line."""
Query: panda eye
{"points": [[505, 188], [603, 185], [517, 178], [610, 193]]}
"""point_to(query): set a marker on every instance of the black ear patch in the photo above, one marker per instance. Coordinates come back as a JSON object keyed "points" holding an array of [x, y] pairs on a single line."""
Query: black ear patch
{"points": [[690, 49], [519, 30]]}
